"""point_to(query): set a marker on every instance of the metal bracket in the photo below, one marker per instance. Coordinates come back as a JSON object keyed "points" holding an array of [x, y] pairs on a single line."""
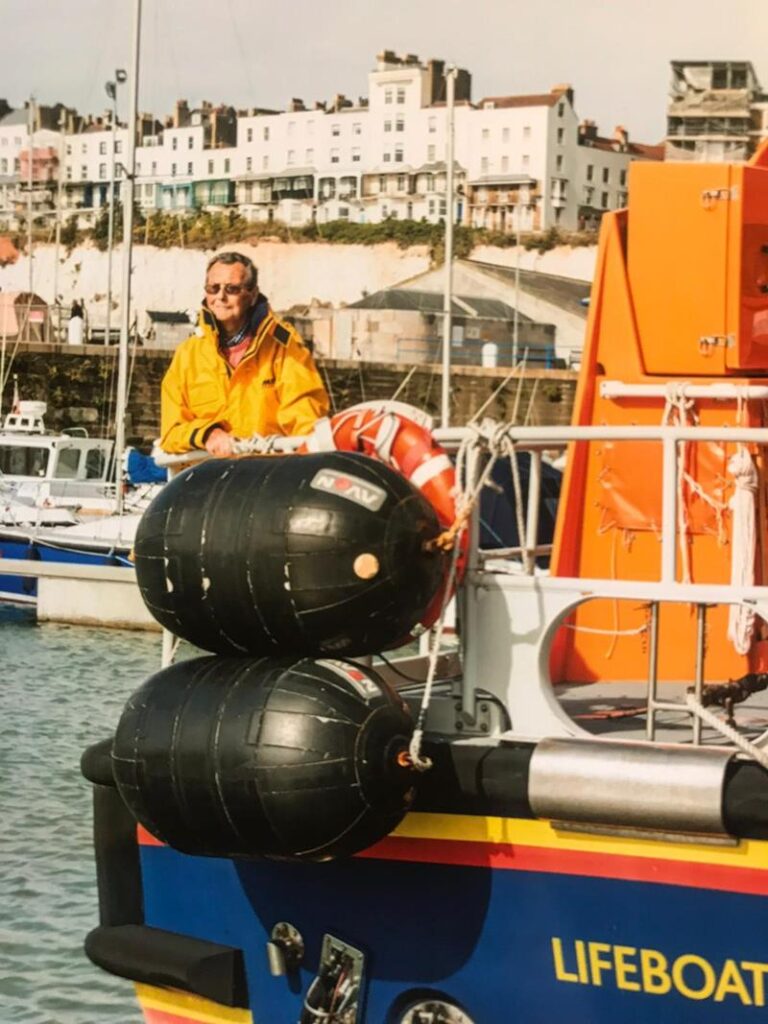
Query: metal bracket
{"points": [[709, 342], [710, 196], [446, 715]]}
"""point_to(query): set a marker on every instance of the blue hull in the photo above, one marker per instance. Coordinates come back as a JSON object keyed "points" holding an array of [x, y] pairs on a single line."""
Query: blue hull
{"points": [[503, 944], [24, 588]]}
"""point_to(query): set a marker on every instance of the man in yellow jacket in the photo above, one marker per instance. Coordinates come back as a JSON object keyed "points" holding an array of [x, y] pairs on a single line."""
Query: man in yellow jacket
{"points": [[243, 371]]}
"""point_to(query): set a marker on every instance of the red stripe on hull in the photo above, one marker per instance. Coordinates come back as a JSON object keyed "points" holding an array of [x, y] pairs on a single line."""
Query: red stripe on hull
{"points": [[570, 862], [152, 1016]]}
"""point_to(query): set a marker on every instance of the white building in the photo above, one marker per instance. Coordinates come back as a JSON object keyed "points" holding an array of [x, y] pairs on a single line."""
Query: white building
{"points": [[521, 162]]}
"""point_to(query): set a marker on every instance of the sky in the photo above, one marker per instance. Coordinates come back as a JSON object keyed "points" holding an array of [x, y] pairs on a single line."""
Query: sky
{"points": [[251, 53]]}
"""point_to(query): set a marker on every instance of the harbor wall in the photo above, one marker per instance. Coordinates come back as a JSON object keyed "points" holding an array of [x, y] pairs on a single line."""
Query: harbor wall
{"points": [[290, 273], [78, 383]]}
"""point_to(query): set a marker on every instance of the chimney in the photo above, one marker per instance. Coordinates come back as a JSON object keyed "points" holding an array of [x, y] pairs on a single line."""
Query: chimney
{"points": [[320, 105], [296, 105], [587, 132], [386, 59], [181, 114], [621, 135], [564, 89]]}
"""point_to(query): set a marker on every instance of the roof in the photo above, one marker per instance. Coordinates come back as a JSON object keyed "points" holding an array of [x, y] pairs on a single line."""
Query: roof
{"points": [[545, 99], [564, 292], [164, 316], [503, 179], [8, 251], [432, 302], [643, 149], [14, 117]]}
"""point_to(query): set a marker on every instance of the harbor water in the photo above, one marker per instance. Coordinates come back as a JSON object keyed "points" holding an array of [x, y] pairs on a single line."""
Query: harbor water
{"points": [[63, 688]]}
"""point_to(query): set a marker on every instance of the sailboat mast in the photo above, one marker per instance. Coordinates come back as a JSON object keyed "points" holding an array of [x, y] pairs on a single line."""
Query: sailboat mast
{"points": [[450, 82], [125, 326]]}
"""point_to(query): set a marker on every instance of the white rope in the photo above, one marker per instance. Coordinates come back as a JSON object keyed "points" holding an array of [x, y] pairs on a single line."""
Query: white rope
{"points": [[741, 618], [745, 745], [606, 632], [465, 501]]}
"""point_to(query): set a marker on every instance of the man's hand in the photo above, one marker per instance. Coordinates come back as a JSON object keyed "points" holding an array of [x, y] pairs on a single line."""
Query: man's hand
{"points": [[219, 443]]}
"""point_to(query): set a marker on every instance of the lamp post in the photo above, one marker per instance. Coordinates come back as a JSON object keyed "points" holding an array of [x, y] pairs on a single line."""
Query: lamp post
{"points": [[111, 90]]}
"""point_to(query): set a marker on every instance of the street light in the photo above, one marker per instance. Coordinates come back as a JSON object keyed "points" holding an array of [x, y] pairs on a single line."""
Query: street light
{"points": [[111, 90]]}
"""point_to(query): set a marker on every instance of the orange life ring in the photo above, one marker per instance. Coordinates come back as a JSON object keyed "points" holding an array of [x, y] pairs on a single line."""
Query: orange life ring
{"points": [[392, 433]]}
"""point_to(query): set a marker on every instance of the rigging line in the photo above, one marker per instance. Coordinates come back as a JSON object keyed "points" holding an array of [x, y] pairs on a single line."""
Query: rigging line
{"points": [[404, 382]]}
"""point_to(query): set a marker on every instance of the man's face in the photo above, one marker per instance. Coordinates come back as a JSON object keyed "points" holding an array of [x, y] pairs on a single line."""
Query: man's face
{"points": [[230, 310]]}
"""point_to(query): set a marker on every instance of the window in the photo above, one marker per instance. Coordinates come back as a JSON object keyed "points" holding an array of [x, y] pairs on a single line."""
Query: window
{"points": [[431, 207], [560, 135], [590, 171], [148, 190], [505, 134], [94, 464], [69, 148], [249, 163], [622, 178], [443, 208], [382, 183], [355, 155], [401, 94], [102, 148], [505, 165], [290, 158], [606, 175], [189, 168], [334, 156], [526, 131], [309, 156], [429, 184], [67, 464], [387, 126], [384, 210], [398, 154], [174, 142], [102, 170], [226, 166], [387, 157], [173, 170], [526, 160], [559, 162], [399, 125], [4, 165], [430, 154], [83, 169], [265, 163], [387, 95], [335, 129], [249, 135], [210, 166], [118, 146], [265, 133], [190, 142], [401, 183], [485, 134], [560, 109], [484, 165], [343, 213], [357, 128], [604, 201], [154, 166], [432, 124], [23, 461]]}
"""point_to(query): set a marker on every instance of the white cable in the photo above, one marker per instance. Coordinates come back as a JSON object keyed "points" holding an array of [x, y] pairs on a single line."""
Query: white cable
{"points": [[741, 618], [745, 745]]}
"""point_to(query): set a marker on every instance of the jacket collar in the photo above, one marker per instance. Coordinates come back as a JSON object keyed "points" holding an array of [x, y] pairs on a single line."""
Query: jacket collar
{"points": [[207, 324]]}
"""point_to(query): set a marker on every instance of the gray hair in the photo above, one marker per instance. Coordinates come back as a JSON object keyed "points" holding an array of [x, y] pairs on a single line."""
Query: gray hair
{"points": [[230, 257]]}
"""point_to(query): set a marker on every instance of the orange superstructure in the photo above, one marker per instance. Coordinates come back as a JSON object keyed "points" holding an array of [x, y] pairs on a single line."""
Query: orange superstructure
{"points": [[679, 308]]}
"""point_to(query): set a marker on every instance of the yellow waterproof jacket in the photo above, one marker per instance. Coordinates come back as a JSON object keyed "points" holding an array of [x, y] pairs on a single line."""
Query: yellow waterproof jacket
{"points": [[274, 389]]}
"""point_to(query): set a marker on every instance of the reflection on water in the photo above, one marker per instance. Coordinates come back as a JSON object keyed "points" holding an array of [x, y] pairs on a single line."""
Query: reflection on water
{"points": [[63, 688]]}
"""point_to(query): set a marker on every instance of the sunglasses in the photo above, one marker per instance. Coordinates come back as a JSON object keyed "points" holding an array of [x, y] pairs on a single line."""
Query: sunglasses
{"points": [[228, 289]]}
